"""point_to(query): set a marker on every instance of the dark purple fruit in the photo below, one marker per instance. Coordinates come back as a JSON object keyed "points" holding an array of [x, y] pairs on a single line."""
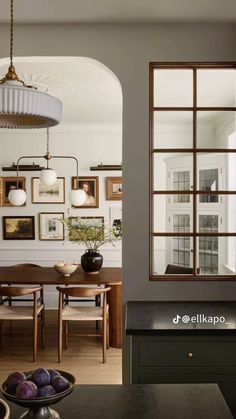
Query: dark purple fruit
{"points": [[26, 390], [53, 373], [41, 377], [13, 380], [60, 383], [46, 391]]}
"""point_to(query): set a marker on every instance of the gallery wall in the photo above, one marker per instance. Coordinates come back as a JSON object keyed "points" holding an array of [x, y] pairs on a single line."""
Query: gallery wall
{"points": [[105, 143]]}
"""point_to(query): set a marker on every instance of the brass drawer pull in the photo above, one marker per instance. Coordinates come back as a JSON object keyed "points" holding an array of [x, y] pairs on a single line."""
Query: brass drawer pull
{"points": [[190, 355]]}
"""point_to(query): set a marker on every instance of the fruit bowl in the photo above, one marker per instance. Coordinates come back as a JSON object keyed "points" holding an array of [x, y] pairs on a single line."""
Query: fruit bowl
{"points": [[4, 410], [38, 406], [65, 269]]}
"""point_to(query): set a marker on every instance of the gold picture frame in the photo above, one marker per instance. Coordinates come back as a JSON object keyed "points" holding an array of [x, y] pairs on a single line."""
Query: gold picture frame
{"points": [[42, 194], [8, 183], [50, 226], [90, 184], [114, 188]]}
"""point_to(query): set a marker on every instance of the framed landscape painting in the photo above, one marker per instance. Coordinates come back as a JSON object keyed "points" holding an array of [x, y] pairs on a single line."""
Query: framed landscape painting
{"points": [[83, 223], [18, 228], [50, 226], [42, 194]]}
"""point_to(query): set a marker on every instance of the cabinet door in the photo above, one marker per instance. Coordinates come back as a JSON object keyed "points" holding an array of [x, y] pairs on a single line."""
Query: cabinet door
{"points": [[181, 247], [180, 179], [208, 246]]}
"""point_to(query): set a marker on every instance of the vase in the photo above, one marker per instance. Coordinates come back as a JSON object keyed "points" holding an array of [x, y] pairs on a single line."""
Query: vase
{"points": [[91, 261]]}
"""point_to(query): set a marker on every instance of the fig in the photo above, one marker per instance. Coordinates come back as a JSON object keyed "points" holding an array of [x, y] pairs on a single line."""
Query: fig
{"points": [[60, 383], [46, 391], [26, 390], [53, 373], [41, 377], [13, 380]]}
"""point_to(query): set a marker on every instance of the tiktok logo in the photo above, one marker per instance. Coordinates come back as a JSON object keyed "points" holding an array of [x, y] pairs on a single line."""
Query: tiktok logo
{"points": [[176, 319]]}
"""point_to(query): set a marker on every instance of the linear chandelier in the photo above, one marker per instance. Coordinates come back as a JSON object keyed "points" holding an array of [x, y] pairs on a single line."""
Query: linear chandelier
{"points": [[48, 177], [23, 106]]}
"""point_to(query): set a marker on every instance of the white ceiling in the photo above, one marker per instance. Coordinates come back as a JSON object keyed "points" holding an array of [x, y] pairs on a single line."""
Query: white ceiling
{"points": [[90, 93], [120, 11]]}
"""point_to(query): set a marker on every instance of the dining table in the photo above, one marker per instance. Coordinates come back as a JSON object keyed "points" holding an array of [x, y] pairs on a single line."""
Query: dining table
{"points": [[143, 401], [107, 276]]}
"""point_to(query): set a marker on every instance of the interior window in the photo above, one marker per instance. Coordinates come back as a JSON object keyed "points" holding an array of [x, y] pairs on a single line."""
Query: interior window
{"points": [[192, 161]]}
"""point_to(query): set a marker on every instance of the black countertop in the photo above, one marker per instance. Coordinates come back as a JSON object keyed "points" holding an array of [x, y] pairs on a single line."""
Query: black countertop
{"points": [[160, 317], [154, 401]]}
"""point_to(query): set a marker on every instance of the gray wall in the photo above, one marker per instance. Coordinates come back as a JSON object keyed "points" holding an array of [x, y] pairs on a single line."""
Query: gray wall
{"points": [[127, 51]]}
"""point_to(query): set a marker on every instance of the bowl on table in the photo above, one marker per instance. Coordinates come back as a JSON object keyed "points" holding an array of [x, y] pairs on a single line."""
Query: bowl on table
{"points": [[65, 269], [38, 407], [4, 410]]}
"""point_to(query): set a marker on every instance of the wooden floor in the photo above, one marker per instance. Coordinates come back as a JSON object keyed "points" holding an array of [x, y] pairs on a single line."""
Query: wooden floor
{"points": [[83, 358]]}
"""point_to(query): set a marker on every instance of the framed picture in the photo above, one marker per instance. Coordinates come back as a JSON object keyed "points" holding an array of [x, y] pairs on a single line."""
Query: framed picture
{"points": [[116, 220], [18, 228], [87, 222], [50, 226], [42, 194], [90, 185], [114, 188], [9, 183]]}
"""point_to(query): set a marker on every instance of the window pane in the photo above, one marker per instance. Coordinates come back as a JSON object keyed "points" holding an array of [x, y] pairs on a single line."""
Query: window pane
{"points": [[172, 255], [170, 217], [216, 255], [215, 128], [173, 171], [219, 216], [216, 171], [173, 129], [216, 87], [173, 88]]}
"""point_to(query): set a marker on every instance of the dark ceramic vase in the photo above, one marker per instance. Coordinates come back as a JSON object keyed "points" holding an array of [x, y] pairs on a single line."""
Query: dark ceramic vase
{"points": [[91, 261]]}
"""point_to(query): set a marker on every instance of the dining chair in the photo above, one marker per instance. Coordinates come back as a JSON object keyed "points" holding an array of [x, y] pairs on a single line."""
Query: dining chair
{"points": [[68, 313], [33, 312], [24, 265]]}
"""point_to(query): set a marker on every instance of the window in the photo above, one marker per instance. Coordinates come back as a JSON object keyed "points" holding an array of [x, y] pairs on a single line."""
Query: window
{"points": [[192, 171]]}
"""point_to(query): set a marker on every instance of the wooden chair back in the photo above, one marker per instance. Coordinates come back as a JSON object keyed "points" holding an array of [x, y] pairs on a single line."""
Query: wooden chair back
{"points": [[17, 291], [82, 292]]}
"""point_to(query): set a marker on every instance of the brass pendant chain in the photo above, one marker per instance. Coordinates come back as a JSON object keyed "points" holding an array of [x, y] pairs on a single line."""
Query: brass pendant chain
{"points": [[11, 35]]}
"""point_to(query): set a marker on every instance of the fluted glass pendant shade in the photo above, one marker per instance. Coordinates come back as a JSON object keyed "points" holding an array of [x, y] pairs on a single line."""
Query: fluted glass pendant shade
{"points": [[77, 197], [24, 107], [17, 197], [48, 177]]}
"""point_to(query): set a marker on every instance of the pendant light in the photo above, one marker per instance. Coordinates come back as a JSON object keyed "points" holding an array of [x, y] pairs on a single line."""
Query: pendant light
{"points": [[24, 106], [48, 177]]}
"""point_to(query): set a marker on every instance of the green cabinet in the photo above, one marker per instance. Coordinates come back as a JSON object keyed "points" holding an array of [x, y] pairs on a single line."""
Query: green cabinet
{"points": [[183, 358]]}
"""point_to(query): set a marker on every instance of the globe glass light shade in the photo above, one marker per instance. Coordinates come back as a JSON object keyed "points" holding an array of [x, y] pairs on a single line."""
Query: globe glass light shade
{"points": [[48, 177], [77, 197], [17, 197]]}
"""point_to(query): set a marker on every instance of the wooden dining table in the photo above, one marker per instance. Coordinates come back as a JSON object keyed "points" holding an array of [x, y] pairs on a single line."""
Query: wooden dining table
{"points": [[48, 276]]}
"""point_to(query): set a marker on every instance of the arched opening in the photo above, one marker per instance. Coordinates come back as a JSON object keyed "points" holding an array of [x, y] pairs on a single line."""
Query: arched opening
{"points": [[91, 130]]}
